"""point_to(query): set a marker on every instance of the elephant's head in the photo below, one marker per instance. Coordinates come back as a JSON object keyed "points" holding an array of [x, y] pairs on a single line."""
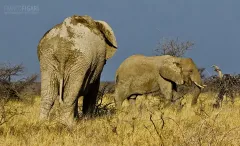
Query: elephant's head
{"points": [[109, 36], [190, 71], [181, 71]]}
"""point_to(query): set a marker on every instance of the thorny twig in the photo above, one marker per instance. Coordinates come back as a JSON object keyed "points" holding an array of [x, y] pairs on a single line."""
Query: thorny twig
{"points": [[155, 127]]}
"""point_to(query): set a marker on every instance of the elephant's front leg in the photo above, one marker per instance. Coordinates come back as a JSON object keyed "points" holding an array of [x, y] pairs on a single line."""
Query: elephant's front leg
{"points": [[177, 95], [89, 100], [49, 92], [166, 89]]}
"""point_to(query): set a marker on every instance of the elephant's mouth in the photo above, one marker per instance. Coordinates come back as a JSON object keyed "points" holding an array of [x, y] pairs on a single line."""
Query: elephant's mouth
{"points": [[188, 82]]}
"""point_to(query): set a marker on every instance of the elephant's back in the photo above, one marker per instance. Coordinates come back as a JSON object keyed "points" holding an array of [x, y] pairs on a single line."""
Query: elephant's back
{"points": [[130, 63], [74, 34], [140, 66], [76, 37], [142, 61], [137, 74], [135, 66]]}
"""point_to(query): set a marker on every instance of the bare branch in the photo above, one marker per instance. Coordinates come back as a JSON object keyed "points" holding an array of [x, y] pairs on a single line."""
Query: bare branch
{"points": [[173, 47], [12, 89]]}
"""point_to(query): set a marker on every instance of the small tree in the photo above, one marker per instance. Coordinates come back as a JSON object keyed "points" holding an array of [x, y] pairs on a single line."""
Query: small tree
{"points": [[10, 89], [173, 47]]}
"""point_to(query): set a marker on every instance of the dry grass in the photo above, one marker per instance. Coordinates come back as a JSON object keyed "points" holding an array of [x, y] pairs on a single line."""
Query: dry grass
{"points": [[146, 124]]}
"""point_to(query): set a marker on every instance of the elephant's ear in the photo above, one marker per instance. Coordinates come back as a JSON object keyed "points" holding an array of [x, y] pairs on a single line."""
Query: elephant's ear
{"points": [[110, 38], [172, 71]]}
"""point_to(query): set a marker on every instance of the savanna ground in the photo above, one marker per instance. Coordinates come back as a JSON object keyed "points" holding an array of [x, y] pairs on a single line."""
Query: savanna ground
{"points": [[146, 124]]}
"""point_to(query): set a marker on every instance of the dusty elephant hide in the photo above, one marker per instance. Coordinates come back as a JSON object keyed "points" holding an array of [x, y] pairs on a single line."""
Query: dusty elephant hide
{"points": [[72, 55], [139, 75]]}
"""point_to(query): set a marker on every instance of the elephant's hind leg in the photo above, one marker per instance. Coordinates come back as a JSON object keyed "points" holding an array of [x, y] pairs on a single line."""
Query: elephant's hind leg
{"points": [[71, 92], [89, 100], [49, 92]]}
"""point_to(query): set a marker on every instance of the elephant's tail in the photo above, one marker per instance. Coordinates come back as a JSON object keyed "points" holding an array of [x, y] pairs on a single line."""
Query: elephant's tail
{"points": [[61, 91], [61, 80]]}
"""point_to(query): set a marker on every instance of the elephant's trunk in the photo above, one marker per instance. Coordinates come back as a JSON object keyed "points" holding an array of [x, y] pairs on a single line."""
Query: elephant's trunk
{"points": [[195, 93], [196, 78], [198, 85]]}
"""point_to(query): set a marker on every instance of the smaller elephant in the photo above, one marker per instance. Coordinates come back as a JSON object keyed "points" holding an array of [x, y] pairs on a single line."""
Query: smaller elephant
{"points": [[139, 75]]}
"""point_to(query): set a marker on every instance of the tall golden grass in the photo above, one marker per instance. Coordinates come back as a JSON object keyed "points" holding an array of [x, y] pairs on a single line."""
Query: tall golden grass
{"points": [[146, 124]]}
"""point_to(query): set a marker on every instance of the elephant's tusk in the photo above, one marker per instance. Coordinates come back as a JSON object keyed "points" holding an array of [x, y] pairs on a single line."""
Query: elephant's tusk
{"points": [[201, 86]]}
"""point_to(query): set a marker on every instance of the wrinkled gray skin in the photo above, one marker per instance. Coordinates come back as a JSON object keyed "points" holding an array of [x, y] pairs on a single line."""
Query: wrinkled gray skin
{"points": [[139, 75], [72, 55]]}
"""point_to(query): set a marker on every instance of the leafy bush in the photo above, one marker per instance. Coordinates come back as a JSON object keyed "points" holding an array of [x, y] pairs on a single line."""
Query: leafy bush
{"points": [[228, 85]]}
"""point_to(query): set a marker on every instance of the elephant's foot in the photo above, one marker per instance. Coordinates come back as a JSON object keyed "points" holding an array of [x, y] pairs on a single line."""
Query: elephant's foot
{"points": [[167, 104], [44, 113], [89, 111], [68, 119], [68, 114], [43, 117]]}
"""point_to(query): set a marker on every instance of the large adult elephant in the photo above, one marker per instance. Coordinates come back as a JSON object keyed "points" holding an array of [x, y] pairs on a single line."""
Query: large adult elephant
{"points": [[140, 74], [72, 55]]}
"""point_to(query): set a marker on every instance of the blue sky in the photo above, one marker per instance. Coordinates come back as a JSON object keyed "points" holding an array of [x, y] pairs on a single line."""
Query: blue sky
{"points": [[214, 27]]}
